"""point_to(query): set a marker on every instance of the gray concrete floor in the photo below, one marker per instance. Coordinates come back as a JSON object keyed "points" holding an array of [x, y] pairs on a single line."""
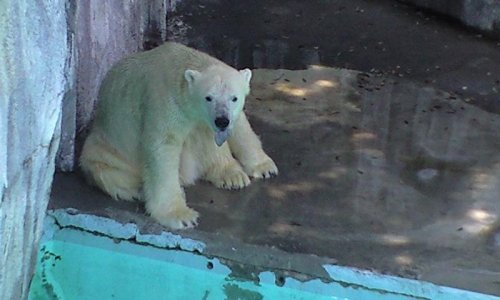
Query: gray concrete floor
{"points": [[382, 36], [381, 171], [376, 173]]}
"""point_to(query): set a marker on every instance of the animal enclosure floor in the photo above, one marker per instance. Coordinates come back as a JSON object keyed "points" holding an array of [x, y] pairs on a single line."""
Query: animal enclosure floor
{"points": [[376, 172]]}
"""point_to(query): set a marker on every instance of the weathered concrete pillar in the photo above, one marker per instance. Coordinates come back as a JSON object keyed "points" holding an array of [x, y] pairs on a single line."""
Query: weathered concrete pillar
{"points": [[53, 55], [33, 80]]}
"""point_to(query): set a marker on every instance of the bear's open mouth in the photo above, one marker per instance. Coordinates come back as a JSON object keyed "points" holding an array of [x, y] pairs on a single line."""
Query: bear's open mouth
{"points": [[221, 136]]}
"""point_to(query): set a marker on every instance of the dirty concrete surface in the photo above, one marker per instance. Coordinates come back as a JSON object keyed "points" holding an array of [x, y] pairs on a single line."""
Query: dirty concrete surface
{"points": [[377, 173], [394, 169]]}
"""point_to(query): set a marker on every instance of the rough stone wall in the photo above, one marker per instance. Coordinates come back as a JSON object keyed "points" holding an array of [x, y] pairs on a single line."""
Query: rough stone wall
{"points": [[33, 69], [104, 32], [480, 14], [53, 54]]}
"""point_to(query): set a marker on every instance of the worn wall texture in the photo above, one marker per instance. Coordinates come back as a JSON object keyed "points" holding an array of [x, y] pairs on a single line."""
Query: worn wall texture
{"points": [[53, 54], [33, 80], [103, 32]]}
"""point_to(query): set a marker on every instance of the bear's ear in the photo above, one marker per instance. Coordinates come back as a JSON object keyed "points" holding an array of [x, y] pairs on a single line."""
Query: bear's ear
{"points": [[191, 75], [247, 74]]}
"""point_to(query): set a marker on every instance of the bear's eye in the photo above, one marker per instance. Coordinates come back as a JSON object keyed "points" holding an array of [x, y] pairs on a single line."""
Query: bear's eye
{"points": [[208, 98], [235, 99]]}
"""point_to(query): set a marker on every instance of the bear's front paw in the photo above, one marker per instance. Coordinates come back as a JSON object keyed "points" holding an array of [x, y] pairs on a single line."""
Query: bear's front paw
{"points": [[177, 216], [265, 169], [231, 177]]}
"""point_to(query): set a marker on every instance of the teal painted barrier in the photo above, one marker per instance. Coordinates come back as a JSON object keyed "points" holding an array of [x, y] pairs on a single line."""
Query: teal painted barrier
{"points": [[75, 264]]}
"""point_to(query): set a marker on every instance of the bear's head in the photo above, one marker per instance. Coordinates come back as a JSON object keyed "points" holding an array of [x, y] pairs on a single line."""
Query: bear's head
{"points": [[220, 91]]}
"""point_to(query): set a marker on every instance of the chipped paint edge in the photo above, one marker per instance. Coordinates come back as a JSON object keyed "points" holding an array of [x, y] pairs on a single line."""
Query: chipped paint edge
{"points": [[339, 277], [64, 218]]}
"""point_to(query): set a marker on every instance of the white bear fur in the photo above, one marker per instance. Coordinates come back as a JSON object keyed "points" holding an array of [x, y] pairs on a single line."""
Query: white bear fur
{"points": [[153, 131]]}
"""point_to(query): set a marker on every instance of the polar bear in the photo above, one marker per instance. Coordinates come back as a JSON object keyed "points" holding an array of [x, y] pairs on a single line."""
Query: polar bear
{"points": [[166, 118]]}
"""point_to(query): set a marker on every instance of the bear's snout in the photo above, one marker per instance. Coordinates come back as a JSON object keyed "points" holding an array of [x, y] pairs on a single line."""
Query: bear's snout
{"points": [[221, 122]]}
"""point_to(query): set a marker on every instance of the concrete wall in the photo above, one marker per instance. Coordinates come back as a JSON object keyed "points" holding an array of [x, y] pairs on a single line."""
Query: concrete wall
{"points": [[103, 32], [34, 62], [480, 14], [53, 53]]}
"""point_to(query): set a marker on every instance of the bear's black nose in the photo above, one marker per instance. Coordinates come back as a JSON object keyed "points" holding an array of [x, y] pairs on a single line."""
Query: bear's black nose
{"points": [[221, 122]]}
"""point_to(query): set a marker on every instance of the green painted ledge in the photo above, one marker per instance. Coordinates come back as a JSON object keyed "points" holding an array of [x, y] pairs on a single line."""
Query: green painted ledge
{"points": [[90, 257]]}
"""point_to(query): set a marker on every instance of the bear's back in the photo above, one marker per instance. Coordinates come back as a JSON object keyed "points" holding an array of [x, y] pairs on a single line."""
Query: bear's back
{"points": [[177, 57]]}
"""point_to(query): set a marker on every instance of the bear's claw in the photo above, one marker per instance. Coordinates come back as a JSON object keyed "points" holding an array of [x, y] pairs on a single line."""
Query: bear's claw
{"points": [[229, 176], [233, 181], [181, 217], [264, 170]]}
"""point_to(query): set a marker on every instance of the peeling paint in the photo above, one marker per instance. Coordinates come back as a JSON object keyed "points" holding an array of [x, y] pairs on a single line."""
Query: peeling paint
{"points": [[108, 227], [89, 231], [90, 223], [170, 240]]}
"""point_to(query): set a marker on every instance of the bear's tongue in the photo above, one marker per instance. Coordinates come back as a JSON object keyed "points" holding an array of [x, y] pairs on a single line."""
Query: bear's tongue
{"points": [[221, 137]]}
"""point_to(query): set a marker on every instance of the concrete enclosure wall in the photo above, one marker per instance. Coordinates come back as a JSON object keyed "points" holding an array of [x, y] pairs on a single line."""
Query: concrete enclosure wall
{"points": [[33, 59], [102, 33], [480, 14], [53, 54]]}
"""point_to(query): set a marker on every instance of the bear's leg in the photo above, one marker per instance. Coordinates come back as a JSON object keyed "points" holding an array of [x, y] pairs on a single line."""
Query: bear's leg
{"points": [[247, 148], [165, 199], [225, 171], [109, 170], [215, 164]]}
